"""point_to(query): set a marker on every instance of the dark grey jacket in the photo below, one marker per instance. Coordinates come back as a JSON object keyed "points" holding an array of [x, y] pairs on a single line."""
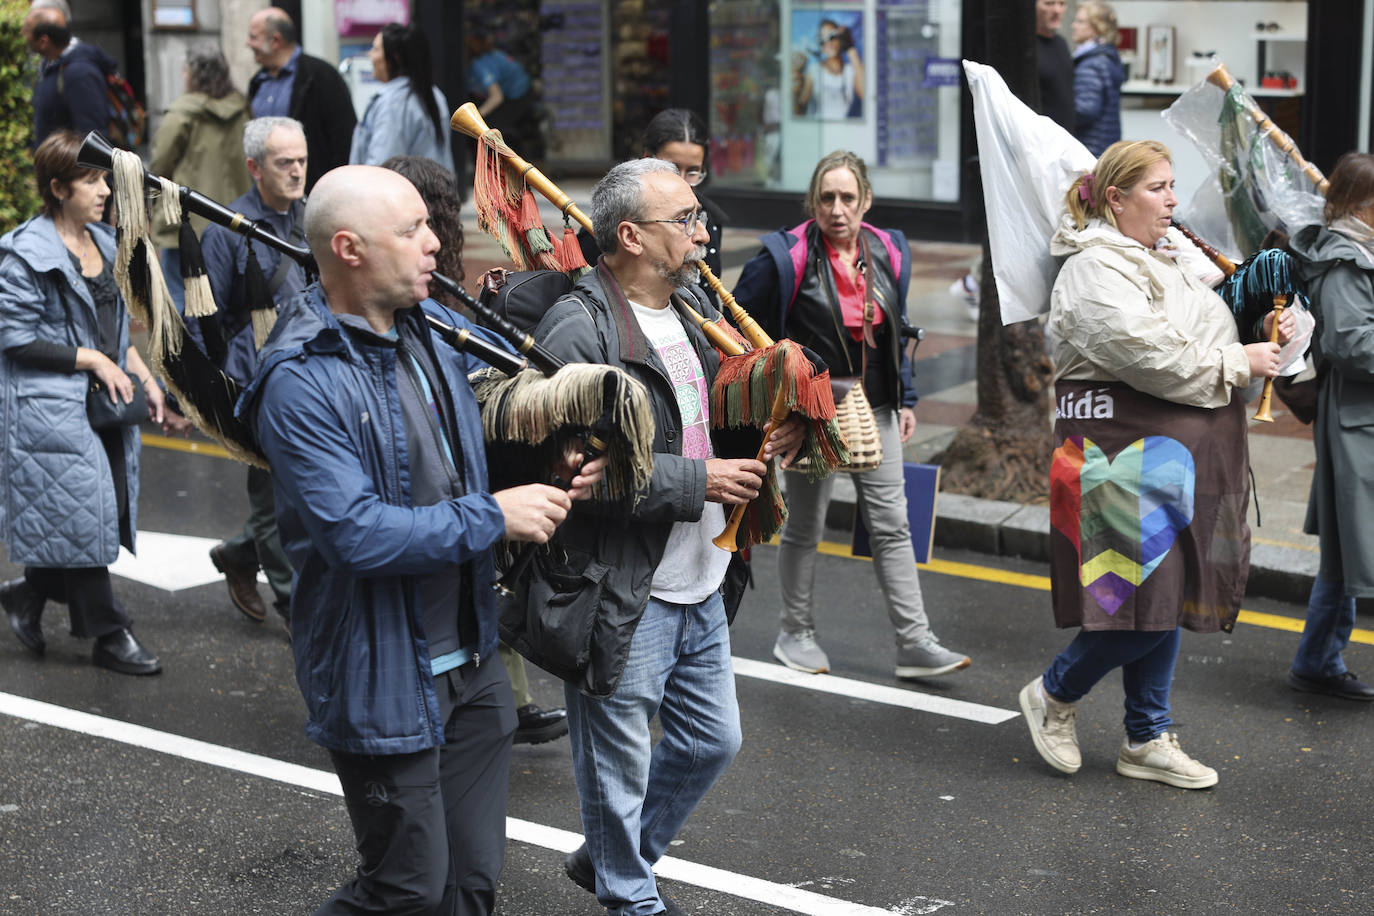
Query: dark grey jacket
{"points": [[575, 615], [1339, 275]]}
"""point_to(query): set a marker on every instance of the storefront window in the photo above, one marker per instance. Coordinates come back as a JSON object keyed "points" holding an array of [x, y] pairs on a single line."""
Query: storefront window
{"points": [[791, 81]]}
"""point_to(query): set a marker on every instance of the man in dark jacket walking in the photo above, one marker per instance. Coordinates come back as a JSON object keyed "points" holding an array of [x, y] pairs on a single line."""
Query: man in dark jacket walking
{"points": [[293, 84], [71, 88], [650, 587], [375, 446], [275, 152]]}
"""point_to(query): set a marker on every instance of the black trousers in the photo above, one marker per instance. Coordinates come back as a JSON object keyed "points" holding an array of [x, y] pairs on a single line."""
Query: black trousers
{"points": [[259, 543], [86, 592], [431, 826]]}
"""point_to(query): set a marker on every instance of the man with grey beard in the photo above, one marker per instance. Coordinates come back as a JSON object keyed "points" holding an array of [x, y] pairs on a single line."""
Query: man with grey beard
{"points": [[642, 596]]}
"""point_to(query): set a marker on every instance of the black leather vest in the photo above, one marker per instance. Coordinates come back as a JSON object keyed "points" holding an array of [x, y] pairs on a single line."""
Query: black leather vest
{"points": [[815, 319]]}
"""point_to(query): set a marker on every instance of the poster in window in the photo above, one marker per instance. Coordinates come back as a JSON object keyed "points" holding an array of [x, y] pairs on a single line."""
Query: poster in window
{"points": [[1160, 60], [827, 64]]}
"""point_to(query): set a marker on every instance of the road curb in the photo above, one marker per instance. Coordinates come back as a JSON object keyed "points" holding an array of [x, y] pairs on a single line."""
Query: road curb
{"points": [[1008, 529]]}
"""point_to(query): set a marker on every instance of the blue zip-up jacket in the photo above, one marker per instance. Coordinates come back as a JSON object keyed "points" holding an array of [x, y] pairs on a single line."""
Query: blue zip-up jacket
{"points": [[226, 261], [327, 415], [1097, 77]]}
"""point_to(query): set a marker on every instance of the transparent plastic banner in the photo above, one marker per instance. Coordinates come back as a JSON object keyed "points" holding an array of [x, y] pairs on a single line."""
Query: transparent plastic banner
{"points": [[1256, 185]]}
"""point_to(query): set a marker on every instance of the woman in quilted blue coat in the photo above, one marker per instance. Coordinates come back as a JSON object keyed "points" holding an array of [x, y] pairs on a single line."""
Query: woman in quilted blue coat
{"points": [[70, 492], [1097, 77]]}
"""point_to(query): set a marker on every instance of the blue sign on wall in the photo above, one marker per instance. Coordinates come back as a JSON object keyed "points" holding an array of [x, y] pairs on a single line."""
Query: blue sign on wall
{"points": [[941, 71]]}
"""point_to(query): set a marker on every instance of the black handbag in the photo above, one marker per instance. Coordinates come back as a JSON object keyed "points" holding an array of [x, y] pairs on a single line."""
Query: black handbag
{"points": [[106, 414]]}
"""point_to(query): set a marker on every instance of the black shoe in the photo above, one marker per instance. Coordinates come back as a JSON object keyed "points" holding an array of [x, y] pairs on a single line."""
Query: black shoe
{"points": [[540, 725], [1346, 686], [578, 866], [242, 579], [24, 607], [119, 651]]}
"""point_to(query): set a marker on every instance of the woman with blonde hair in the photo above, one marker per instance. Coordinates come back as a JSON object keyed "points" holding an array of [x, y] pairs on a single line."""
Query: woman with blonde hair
{"points": [[838, 285], [1148, 485], [1097, 76]]}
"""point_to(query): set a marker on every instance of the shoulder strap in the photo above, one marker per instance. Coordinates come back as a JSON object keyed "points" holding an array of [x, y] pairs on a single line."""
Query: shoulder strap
{"points": [[284, 261]]}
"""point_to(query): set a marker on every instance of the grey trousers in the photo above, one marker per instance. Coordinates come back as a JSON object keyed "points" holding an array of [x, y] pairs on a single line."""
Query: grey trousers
{"points": [[882, 500]]}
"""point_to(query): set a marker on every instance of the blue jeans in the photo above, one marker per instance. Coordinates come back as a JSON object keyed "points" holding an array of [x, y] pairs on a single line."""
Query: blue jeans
{"points": [[1146, 660], [1330, 618], [635, 796]]}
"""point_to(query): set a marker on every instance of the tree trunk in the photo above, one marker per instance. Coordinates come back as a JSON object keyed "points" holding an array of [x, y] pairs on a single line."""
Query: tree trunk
{"points": [[1004, 451]]}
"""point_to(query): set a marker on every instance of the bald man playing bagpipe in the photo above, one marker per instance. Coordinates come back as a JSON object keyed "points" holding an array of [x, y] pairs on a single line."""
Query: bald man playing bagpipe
{"points": [[375, 444]]}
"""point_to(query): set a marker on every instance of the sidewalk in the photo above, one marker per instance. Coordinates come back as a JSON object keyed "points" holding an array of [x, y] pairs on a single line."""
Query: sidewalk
{"points": [[1283, 560]]}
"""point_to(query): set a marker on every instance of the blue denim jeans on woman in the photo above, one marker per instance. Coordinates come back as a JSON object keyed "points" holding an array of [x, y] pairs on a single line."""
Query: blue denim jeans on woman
{"points": [[635, 795], [1330, 618], [1146, 660]]}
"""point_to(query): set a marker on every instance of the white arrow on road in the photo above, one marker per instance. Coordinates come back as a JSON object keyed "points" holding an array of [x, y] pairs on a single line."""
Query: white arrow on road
{"points": [[170, 561]]}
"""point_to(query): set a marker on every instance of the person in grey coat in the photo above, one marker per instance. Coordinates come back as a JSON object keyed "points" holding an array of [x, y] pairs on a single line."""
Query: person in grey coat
{"points": [[409, 115], [1339, 274], [70, 492]]}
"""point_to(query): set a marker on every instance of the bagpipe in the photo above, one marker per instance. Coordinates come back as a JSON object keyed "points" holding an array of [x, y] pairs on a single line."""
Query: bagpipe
{"points": [[540, 399], [760, 382], [1265, 282]]}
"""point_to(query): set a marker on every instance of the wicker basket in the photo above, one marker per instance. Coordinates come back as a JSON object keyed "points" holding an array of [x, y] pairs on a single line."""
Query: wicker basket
{"points": [[854, 416]]}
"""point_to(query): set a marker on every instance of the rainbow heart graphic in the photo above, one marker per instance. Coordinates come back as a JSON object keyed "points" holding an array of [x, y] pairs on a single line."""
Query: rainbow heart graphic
{"points": [[1122, 514]]}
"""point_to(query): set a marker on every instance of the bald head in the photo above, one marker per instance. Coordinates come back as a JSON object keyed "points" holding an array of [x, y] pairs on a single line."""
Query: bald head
{"points": [[369, 230], [272, 37], [45, 32]]}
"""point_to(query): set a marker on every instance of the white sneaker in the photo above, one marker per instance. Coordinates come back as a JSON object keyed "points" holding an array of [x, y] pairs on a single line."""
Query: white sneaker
{"points": [[1053, 727], [1164, 761], [929, 659], [800, 652]]}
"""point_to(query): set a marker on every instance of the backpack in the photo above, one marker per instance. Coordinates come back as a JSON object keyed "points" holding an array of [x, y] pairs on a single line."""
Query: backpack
{"points": [[526, 296], [127, 127]]}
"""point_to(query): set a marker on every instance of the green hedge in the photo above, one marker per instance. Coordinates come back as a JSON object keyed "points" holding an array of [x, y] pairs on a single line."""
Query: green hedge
{"points": [[18, 198]]}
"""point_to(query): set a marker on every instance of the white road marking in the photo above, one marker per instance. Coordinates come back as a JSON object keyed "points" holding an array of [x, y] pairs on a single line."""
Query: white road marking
{"points": [[875, 693], [713, 879], [170, 561]]}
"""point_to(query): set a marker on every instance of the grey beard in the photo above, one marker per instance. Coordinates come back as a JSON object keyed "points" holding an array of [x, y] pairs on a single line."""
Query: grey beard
{"points": [[686, 275]]}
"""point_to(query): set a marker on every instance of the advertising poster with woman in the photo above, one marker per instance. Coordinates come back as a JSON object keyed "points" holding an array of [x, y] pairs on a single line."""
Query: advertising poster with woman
{"points": [[827, 64]]}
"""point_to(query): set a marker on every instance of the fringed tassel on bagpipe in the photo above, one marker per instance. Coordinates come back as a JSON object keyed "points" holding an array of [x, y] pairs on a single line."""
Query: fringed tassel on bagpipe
{"points": [[205, 395], [262, 310], [532, 408], [507, 210], [136, 269], [743, 393], [752, 389]]}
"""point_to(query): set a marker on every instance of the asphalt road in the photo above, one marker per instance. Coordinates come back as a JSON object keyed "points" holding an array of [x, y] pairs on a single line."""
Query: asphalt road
{"points": [[853, 793]]}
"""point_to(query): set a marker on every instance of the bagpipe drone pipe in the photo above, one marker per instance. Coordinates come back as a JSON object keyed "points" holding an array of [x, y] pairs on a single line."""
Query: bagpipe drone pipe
{"points": [[540, 397]]}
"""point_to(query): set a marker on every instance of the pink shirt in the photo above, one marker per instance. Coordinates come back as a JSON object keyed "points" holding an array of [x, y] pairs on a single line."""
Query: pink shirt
{"points": [[850, 287]]}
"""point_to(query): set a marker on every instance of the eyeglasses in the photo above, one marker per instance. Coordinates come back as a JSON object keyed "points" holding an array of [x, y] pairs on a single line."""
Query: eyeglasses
{"points": [[688, 223], [693, 177]]}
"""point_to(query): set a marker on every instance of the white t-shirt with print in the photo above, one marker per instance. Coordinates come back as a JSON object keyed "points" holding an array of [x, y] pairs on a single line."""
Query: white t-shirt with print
{"points": [[692, 567]]}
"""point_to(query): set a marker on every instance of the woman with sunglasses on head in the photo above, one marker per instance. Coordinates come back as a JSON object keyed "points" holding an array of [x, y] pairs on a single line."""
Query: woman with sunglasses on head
{"points": [[678, 135], [838, 285]]}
